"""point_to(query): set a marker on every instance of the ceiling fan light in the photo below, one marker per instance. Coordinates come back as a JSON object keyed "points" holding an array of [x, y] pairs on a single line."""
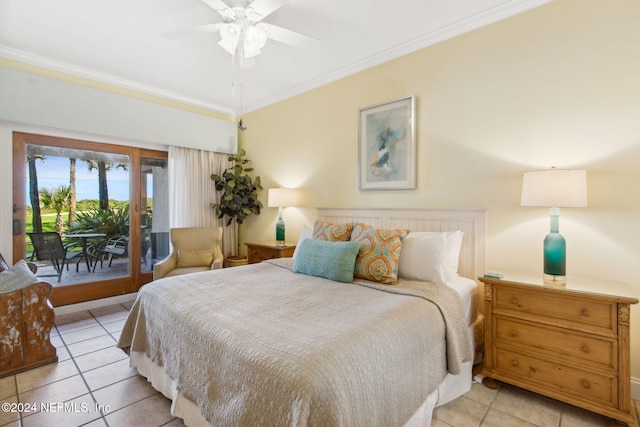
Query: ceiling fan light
{"points": [[254, 41], [255, 36], [229, 47], [250, 52], [230, 35]]}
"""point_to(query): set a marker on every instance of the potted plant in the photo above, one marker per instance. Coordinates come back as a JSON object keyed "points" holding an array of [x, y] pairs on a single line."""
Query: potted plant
{"points": [[239, 198]]}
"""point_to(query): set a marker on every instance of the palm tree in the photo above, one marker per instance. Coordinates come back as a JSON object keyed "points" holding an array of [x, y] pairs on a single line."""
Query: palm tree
{"points": [[103, 189], [36, 219], [57, 199]]}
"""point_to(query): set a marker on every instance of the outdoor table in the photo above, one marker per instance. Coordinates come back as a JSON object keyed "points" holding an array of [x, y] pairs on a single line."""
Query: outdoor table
{"points": [[84, 237]]}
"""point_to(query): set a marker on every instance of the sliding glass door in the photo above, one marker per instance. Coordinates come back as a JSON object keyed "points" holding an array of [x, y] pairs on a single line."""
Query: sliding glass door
{"points": [[90, 215]]}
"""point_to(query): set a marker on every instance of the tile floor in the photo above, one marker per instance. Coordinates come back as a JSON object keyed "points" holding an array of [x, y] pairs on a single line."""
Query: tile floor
{"points": [[93, 385], [92, 379]]}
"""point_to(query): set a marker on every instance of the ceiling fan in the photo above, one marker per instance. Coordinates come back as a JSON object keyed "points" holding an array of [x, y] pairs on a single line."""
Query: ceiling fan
{"points": [[242, 32]]}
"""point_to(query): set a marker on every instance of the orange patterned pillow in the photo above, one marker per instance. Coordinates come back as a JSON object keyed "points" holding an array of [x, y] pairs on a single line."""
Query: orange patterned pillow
{"points": [[379, 253], [332, 232]]}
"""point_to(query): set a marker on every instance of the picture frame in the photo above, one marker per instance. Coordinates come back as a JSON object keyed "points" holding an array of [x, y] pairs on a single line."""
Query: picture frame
{"points": [[387, 146]]}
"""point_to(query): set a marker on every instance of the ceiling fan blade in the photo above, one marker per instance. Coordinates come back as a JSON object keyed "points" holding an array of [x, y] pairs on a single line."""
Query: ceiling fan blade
{"points": [[185, 32], [265, 8], [217, 5], [290, 37]]}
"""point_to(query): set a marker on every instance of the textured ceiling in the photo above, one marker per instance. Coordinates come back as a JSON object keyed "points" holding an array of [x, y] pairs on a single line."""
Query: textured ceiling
{"points": [[126, 43]]}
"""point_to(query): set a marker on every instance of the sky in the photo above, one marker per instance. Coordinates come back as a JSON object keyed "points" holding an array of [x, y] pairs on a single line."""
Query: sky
{"points": [[54, 171]]}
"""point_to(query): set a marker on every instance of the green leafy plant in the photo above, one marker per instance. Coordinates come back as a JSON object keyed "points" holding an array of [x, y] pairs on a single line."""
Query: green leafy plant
{"points": [[57, 199], [112, 222], [240, 191]]}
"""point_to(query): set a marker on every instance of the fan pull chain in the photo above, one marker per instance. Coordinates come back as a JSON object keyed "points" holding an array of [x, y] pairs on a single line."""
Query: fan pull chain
{"points": [[240, 49]]}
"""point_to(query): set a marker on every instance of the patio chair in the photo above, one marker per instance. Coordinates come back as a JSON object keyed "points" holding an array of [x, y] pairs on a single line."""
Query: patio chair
{"points": [[48, 246], [144, 248], [116, 246]]}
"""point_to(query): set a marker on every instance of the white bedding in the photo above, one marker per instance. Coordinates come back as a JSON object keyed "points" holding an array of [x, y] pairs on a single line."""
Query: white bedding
{"points": [[468, 291]]}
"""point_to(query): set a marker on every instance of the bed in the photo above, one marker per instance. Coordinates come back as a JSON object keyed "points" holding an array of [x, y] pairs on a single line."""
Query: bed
{"points": [[274, 344]]}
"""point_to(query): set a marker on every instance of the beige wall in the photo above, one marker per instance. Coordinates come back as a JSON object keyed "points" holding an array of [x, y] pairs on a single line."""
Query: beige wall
{"points": [[556, 86]]}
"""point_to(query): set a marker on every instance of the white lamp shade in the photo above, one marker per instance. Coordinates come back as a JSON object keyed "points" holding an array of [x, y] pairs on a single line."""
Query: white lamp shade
{"points": [[254, 40], [281, 197], [230, 35], [555, 188]]}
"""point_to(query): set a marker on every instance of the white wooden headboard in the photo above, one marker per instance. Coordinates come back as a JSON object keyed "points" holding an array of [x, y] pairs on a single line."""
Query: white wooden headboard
{"points": [[472, 222]]}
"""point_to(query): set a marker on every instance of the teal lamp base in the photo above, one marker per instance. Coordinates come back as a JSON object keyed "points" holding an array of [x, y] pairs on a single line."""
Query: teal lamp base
{"points": [[280, 231], [555, 254]]}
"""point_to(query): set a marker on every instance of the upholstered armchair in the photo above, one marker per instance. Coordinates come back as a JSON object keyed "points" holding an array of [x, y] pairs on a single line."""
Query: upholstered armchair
{"points": [[193, 249]]}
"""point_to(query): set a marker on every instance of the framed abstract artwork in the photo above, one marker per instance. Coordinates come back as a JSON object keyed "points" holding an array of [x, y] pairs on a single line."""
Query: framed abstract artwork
{"points": [[387, 146]]}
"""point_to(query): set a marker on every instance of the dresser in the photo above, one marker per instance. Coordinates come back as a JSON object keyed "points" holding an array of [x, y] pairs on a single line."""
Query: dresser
{"points": [[570, 342], [258, 252]]}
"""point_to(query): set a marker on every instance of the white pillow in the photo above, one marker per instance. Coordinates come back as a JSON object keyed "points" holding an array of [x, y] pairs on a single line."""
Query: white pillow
{"points": [[307, 233], [430, 256]]}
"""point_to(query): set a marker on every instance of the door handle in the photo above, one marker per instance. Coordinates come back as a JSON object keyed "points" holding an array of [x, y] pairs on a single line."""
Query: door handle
{"points": [[17, 227]]}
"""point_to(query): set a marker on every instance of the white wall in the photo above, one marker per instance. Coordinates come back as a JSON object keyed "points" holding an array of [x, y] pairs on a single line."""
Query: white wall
{"points": [[45, 101]]}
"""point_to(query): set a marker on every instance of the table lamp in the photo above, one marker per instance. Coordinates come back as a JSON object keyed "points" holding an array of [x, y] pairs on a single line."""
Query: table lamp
{"points": [[281, 198], [555, 188]]}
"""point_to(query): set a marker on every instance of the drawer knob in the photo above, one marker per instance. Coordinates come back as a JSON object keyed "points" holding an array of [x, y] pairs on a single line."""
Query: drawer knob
{"points": [[586, 349], [585, 313], [514, 301], [514, 333], [585, 384], [515, 363]]}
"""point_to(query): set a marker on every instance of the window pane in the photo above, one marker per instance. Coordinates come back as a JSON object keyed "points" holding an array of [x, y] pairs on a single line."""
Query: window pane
{"points": [[154, 219], [77, 214]]}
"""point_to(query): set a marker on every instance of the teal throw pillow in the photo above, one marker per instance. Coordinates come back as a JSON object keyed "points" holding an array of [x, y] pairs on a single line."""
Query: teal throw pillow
{"points": [[331, 260]]}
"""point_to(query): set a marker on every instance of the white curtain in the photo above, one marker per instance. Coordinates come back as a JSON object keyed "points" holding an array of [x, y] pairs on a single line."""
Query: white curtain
{"points": [[191, 192]]}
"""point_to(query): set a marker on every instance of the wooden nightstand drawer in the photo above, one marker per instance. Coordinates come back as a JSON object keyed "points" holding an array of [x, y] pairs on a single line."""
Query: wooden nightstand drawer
{"points": [[579, 313], [561, 378], [261, 253], [258, 252], [582, 348]]}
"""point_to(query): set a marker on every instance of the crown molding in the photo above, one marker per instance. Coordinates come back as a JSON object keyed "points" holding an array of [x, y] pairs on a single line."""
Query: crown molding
{"points": [[479, 20], [117, 82]]}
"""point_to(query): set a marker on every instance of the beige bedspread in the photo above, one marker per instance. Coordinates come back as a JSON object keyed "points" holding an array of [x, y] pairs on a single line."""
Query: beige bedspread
{"points": [[263, 346]]}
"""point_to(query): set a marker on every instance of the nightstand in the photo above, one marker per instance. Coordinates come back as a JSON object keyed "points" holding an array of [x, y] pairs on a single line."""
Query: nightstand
{"points": [[258, 252], [569, 343]]}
